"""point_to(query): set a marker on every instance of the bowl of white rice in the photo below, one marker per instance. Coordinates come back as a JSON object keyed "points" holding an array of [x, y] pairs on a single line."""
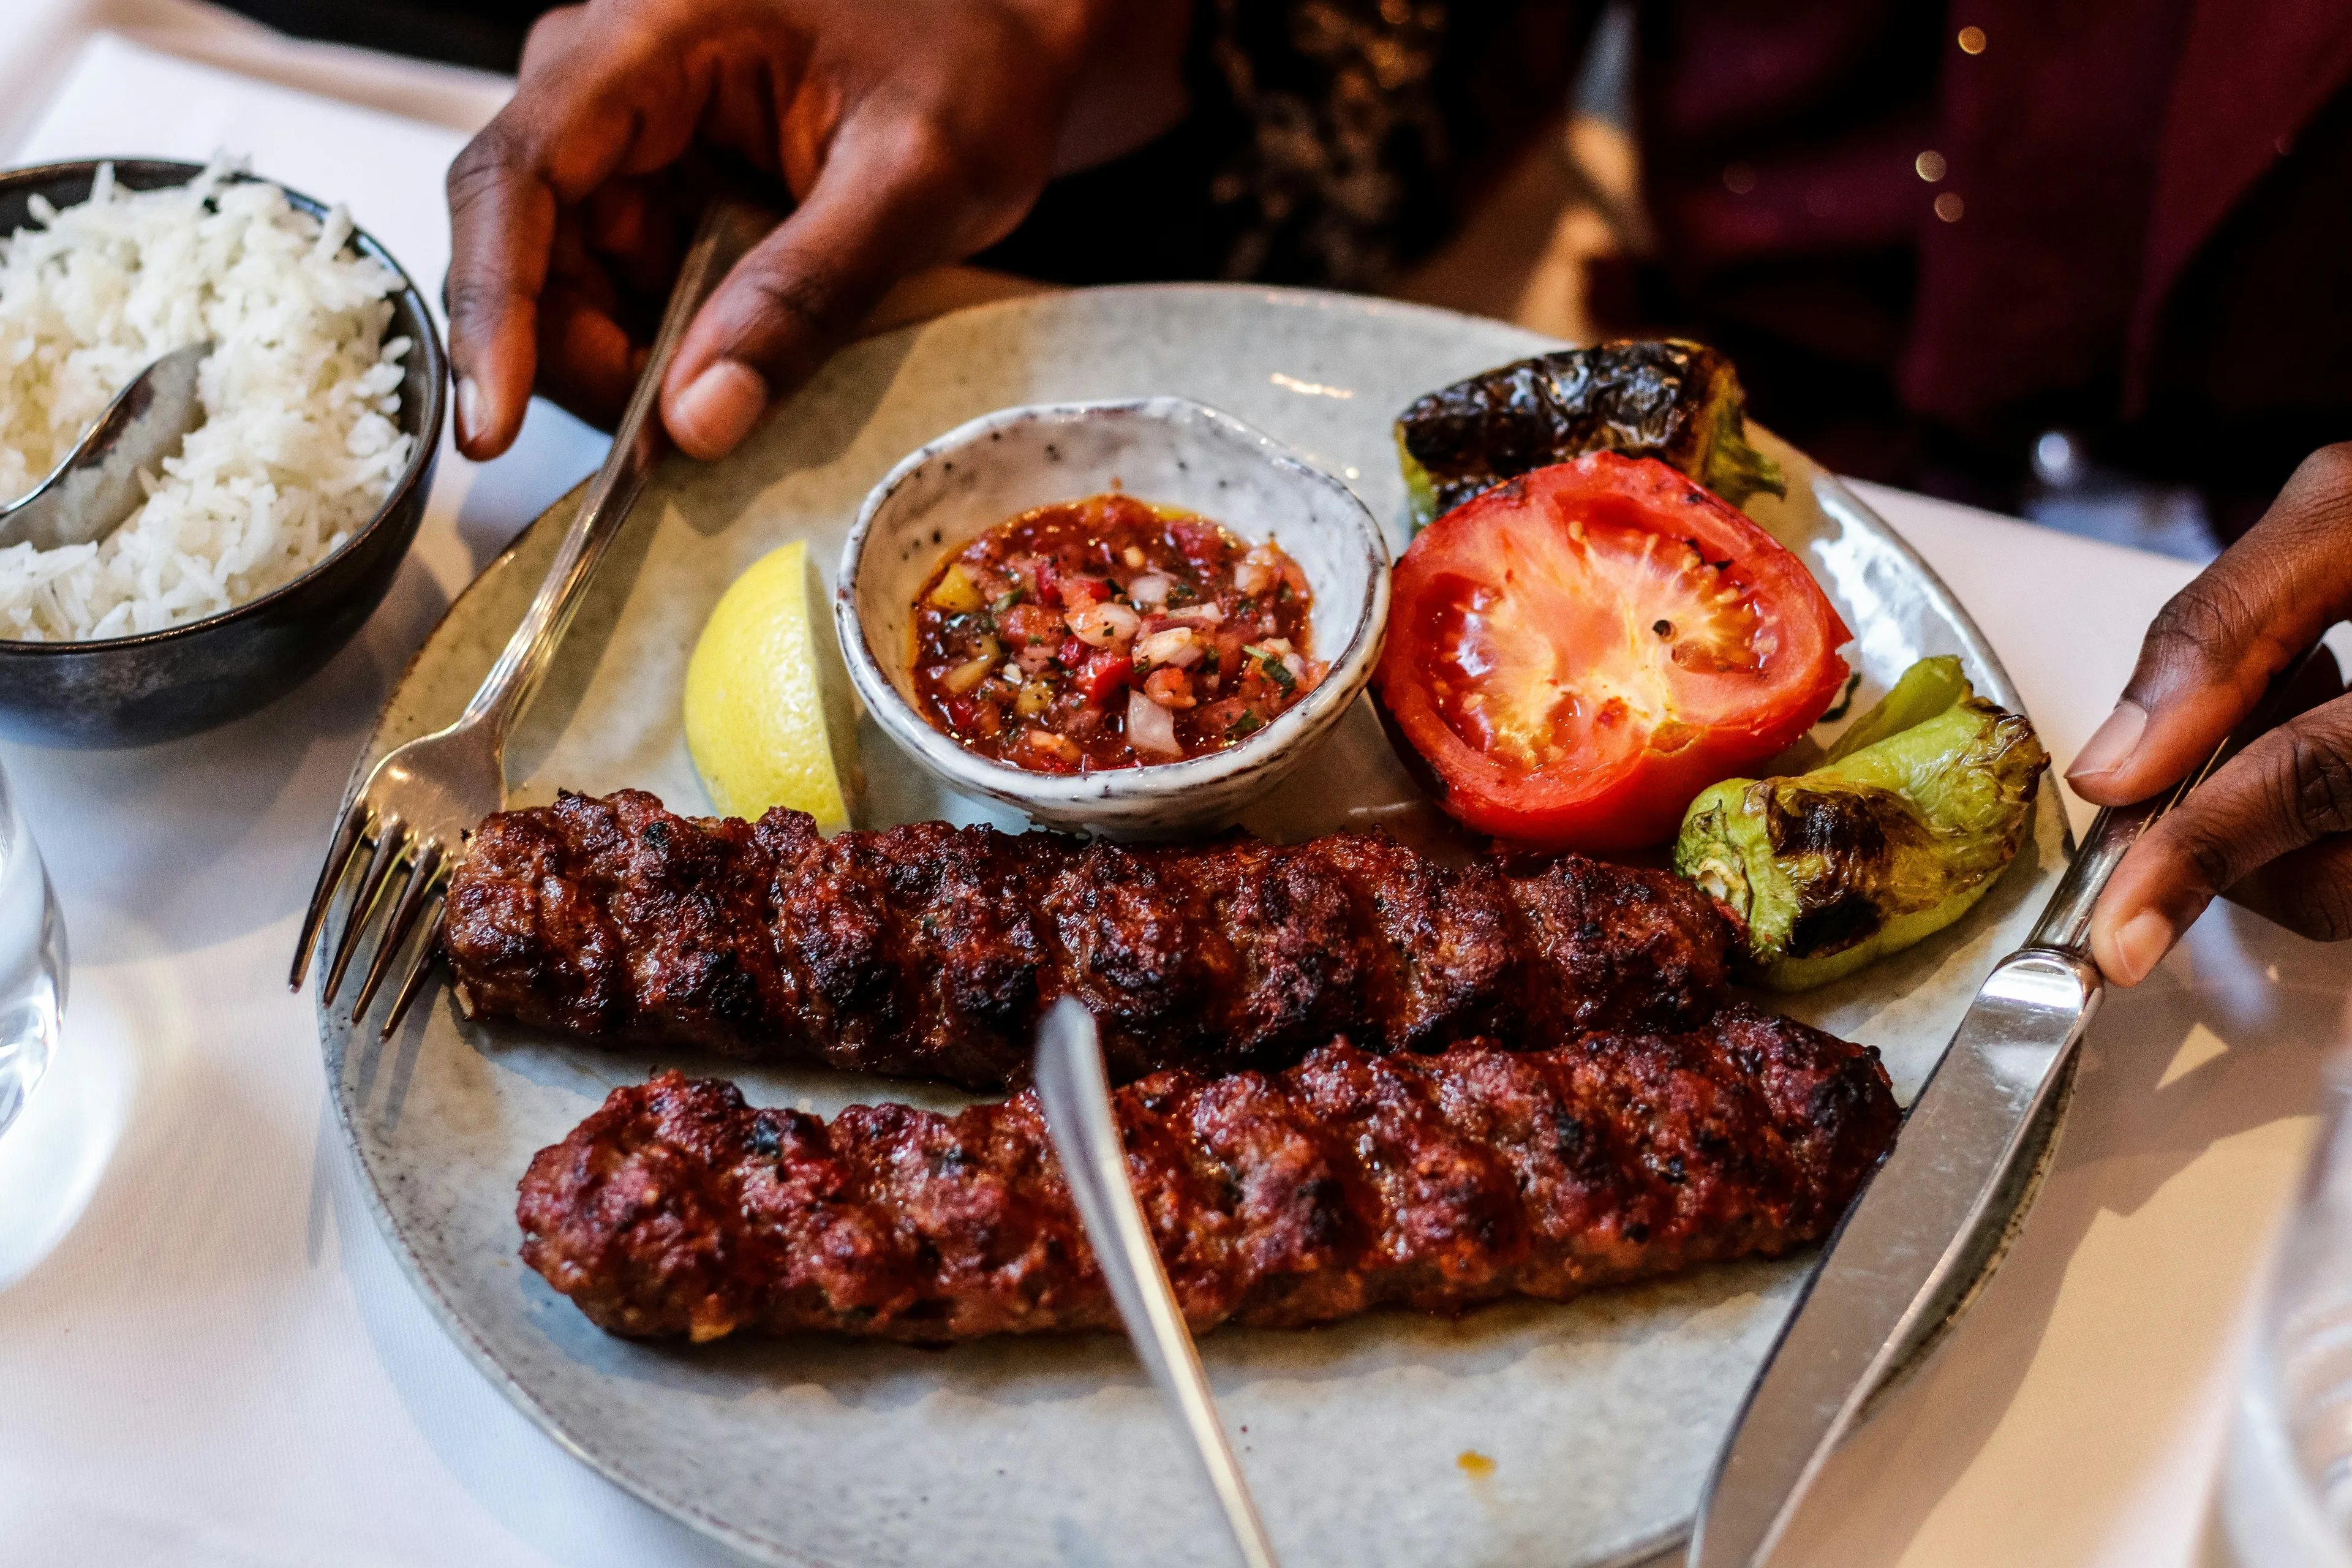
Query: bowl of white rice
{"points": [[275, 533]]}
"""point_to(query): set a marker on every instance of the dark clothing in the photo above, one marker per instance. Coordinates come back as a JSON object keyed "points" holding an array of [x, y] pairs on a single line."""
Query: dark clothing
{"points": [[2147, 207], [2147, 203], [487, 34], [2151, 209], [1331, 143]]}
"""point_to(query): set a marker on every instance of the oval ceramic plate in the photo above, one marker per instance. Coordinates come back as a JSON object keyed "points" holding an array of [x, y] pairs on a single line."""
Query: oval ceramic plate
{"points": [[1599, 1416]]}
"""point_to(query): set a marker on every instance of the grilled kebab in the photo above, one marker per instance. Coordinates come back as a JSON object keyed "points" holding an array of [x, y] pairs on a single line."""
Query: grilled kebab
{"points": [[931, 951], [1349, 1181]]}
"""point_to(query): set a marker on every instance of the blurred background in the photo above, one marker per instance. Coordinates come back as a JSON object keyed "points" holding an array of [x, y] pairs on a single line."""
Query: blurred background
{"points": [[1544, 223], [484, 34]]}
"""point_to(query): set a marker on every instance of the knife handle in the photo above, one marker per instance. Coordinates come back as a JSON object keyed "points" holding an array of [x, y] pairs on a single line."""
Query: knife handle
{"points": [[2065, 923]]}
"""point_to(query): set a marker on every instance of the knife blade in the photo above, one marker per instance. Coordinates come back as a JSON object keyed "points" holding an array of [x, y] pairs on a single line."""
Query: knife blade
{"points": [[1926, 1223], [1075, 1094]]}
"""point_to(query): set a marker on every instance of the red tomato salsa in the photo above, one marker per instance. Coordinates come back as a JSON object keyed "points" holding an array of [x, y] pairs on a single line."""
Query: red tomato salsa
{"points": [[1110, 633], [1578, 652]]}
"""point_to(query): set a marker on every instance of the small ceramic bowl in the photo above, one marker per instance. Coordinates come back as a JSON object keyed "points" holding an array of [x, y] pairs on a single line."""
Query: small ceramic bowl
{"points": [[1168, 451], [154, 686]]}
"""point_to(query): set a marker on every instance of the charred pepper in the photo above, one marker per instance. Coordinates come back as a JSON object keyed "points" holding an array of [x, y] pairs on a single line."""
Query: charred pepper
{"points": [[1667, 398], [1893, 838]]}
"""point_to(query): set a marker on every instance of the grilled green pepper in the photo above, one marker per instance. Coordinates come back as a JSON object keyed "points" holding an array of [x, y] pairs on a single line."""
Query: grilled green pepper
{"points": [[1887, 842], [1921, 692], [1664, 398]]}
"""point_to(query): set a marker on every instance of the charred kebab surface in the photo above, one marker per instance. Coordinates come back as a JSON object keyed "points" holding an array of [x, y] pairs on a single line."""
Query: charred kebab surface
{"points": [[1347, 1182], [929, 951]]}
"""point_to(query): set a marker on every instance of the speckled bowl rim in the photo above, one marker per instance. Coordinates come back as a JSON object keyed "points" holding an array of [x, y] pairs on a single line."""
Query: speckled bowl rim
{"points": [[1295, 727], [427, 434]]}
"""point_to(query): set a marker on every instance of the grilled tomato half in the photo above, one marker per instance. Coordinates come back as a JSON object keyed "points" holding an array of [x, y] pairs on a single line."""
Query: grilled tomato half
{"points": [[1578, 652]]}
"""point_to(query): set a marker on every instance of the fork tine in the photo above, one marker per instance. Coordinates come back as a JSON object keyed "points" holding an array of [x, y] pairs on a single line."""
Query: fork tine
{"points": [[348, 833], [422, 876], [390, 850], [426, 951]]}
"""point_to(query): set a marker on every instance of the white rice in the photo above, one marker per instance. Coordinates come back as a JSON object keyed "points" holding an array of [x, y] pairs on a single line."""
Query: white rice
{"points": [[298, 447]]}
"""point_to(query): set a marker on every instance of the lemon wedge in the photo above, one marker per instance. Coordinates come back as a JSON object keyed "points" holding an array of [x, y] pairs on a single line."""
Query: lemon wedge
{"points": [[769, 716]]}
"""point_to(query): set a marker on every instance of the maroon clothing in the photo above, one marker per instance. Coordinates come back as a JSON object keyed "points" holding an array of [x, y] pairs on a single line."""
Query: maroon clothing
{"points": [[2151, 206], [2145, 205]]}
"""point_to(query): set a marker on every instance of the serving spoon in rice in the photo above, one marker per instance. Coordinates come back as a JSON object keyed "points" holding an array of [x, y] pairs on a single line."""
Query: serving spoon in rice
{"points": [[97, 488]]}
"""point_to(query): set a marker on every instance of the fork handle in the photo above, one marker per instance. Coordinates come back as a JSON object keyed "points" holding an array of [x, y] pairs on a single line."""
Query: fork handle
{"points": [[728, 229]]}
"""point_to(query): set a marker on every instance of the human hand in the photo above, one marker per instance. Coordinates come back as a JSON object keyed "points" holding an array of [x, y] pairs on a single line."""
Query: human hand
{"points": [[910, 132], [2273, 829]]}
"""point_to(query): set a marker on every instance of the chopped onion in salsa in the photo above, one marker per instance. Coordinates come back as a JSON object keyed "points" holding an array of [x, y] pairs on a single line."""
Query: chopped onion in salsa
{"points": [[1110, 633]]}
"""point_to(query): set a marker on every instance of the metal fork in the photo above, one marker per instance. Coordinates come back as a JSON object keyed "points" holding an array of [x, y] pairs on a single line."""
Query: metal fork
{"points": [[421, 804]]}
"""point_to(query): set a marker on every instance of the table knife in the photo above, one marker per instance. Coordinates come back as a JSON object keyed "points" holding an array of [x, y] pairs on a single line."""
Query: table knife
{"points": [[1075, 1094], [1932, 1217]]}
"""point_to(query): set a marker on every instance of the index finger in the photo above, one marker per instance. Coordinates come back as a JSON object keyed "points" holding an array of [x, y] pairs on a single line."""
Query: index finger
{"points": [[2217, 645], [501, 231], [590, 103]]}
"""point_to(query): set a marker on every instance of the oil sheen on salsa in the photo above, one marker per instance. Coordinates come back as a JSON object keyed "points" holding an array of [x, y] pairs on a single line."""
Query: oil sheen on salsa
{"points": [[1110, 633]]}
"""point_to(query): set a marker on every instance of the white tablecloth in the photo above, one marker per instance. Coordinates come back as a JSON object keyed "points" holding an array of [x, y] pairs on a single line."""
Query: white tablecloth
{"points": [[209, 1357]]}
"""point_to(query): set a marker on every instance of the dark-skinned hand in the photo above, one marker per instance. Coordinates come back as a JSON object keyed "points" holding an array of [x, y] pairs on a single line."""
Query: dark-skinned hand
{"points": [[2273, 828], [900, 133]]}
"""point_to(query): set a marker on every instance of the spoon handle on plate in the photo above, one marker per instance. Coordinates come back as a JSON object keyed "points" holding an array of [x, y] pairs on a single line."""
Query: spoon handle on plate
{"points": [[1077, 1097], [729, 230]]}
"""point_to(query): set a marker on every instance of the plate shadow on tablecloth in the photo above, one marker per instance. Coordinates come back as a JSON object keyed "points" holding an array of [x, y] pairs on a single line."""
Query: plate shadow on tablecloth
{"points": [[243, 805], [473, 1437]]}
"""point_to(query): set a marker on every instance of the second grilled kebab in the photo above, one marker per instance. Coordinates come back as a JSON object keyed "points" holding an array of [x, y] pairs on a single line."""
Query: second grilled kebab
{"points": [[1275, 1199]]}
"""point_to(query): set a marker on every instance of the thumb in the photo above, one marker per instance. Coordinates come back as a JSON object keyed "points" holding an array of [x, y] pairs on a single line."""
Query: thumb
{"points": [[875, 213]]}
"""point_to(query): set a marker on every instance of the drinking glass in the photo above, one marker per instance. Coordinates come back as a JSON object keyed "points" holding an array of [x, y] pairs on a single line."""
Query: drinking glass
{"points": [[2286, 1494], [32, 961]]}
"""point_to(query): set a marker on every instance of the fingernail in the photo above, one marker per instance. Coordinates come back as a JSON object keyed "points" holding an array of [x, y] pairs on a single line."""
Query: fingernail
{"points": [[2141, 945], [2112, 744], [469, 411], [719, 409]]}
